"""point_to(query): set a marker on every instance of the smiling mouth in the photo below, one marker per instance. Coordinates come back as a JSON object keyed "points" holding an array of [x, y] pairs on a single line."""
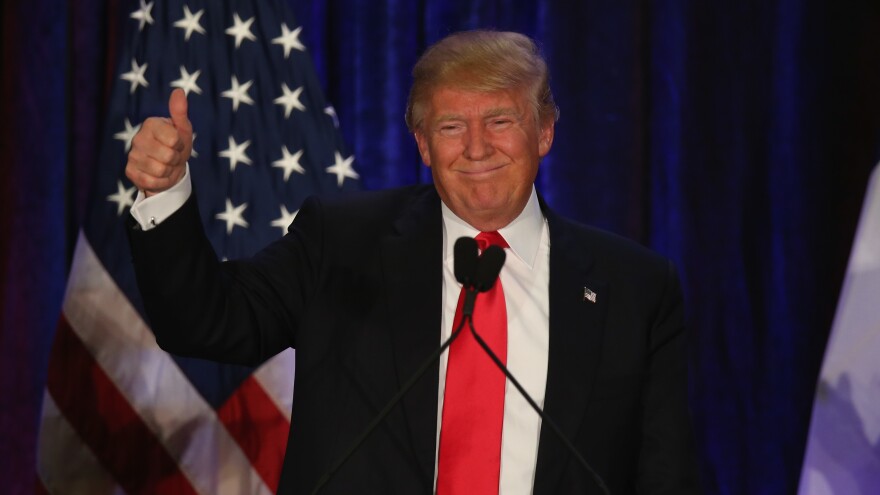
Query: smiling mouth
{"points": [[482, 171]]}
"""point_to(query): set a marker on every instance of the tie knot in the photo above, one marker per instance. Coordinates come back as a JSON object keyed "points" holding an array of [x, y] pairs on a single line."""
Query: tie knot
{"points": [[486, 239]]}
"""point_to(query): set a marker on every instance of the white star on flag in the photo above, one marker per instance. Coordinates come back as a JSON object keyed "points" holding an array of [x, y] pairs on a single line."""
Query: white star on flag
{"points": [[289, 163], [236, 153], [290, 99], [143, 15], [187, 81], [241, 30], [342, 169], [123, 197], [128, 134], [194, 153], [136, 76], [289, 39], [284, 220], [238, 93], [190, 22], [233, 216]]}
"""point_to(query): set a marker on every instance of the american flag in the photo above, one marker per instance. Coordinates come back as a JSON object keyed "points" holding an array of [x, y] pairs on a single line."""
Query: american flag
{"points": [[119, 414]]}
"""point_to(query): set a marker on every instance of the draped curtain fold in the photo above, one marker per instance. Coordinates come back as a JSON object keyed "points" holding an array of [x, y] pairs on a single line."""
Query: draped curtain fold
{"points": [[735, 138]]}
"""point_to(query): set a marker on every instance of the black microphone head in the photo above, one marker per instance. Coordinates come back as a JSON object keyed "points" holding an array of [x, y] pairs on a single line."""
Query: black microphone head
{"points": [[465, 252], [489, 267]]}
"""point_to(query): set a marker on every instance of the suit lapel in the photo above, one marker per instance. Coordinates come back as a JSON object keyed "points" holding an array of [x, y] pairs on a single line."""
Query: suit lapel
{"points": [[576, 331], [412, 261]]}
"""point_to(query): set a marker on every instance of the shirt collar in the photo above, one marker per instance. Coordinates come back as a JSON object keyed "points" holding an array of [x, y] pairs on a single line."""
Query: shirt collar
{"points": [[523, 234]]}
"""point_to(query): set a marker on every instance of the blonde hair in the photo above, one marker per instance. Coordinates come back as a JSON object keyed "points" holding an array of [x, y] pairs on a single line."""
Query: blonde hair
{"points": [[482, 61]]}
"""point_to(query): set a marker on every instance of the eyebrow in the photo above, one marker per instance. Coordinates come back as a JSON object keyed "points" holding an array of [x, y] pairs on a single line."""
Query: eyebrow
{"points": [[497, 112], [494, 112]]}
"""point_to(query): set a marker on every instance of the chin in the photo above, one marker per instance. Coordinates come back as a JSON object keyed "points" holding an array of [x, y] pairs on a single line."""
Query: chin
{"points": [[485, 202]]}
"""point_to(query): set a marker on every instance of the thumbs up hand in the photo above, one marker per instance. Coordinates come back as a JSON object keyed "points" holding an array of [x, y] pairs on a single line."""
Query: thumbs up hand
{"points": [[159, 151]]}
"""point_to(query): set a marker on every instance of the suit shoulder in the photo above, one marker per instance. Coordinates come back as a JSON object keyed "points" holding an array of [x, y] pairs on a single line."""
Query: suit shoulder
{"points": [[372, 203], [369, 214], [610, 248]]}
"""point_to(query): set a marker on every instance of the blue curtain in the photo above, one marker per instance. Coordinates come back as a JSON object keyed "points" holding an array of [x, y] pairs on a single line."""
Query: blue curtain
{"points": [[734, 137]]}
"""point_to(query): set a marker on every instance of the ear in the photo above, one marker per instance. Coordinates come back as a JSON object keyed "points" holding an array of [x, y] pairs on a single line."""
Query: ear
{"points": [[545, 137], [424, 151]]}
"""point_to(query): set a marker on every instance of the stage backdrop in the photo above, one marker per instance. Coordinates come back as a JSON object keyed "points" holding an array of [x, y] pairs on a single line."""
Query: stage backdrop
{"points": [[734, 137]]}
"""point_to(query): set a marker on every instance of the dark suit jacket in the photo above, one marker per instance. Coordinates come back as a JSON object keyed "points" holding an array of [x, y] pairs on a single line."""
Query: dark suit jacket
{"points": [[355, 288]]}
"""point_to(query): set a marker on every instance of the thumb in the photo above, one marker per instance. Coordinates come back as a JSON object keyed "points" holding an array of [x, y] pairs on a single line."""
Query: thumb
{"points": [[177, 107]]}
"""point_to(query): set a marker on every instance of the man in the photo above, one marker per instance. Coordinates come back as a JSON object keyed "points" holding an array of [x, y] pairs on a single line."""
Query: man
{"points": [[363, 289]]}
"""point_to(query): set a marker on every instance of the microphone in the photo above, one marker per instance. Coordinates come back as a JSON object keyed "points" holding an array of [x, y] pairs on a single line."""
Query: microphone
{"points": [[465, 260], [467, 269], [490, 266], [484, 276]]}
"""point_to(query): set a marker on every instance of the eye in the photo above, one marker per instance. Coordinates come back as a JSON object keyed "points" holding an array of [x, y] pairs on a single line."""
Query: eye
{"points": [[450, 129], [500, 123]]}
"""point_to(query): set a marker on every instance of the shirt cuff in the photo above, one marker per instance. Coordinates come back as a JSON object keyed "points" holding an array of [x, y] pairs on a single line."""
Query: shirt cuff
{"points": [[150, 212]]}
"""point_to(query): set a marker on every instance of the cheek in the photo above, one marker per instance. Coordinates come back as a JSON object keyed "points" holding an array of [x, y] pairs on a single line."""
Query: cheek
{"points": [[445, 153], [519, 151]]}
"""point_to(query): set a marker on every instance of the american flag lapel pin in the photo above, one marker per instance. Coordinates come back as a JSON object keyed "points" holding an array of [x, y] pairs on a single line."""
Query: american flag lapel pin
{"points": [[589, 295]]}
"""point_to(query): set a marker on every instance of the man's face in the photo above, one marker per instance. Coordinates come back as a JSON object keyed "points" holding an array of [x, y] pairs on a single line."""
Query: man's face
{"points": [[483, 150]]}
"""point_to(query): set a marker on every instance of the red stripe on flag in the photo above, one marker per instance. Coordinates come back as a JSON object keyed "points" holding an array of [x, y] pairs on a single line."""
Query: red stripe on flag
{"points": [[255, 422], [106, 422]]}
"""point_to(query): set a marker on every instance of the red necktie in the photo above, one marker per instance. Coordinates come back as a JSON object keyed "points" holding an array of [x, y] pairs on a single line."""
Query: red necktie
{"points": [[473, 404]]}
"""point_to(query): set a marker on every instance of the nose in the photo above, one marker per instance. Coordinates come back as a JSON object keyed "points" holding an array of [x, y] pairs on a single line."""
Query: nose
{"points": [[478, 145]]}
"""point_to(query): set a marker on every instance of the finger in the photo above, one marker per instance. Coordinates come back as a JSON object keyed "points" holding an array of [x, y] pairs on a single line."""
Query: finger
{"points": [[165, 133], [150, 183], [143, 180], [157, 129], [169, 156], [162, 144], [152, 166], [177, 107]]}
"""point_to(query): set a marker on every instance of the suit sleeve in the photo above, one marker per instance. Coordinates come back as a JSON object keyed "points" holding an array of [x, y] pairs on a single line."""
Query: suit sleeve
{"points": [[667, 463], [239, 312]]}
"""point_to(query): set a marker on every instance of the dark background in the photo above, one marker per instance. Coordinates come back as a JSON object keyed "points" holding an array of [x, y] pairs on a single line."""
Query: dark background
{"points": [[734, 137]]}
